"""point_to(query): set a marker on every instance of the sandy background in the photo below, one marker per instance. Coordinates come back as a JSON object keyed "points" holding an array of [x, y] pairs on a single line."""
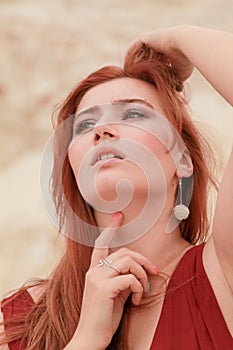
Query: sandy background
{"points": [[45, 48]]}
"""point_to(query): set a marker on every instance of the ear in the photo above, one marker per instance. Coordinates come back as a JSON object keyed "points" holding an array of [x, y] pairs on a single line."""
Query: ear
{"points": [[184, 165]]}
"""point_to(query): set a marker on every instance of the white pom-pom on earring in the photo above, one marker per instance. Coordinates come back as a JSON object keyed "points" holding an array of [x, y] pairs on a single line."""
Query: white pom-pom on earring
{"points": [[181, 211]]}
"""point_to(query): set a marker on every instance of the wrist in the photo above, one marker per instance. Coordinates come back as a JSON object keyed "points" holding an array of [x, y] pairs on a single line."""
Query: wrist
{"points": [[184, 35], [83, 341], [179, 34]]}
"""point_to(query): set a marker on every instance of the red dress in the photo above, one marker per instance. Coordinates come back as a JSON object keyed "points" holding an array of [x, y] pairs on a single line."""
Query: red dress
{"points": [[190, 320], [20, 304]]}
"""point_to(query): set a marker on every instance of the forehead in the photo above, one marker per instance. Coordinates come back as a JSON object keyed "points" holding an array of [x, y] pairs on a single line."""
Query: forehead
{"points": [[120, 89]]}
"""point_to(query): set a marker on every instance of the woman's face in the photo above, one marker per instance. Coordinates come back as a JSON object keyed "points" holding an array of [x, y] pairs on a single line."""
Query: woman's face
{"points": [[108, 147]]}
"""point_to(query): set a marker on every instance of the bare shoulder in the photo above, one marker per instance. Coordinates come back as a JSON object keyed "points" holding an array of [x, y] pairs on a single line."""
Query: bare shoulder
{"points": [[223, 222], [219, 282], [217, 256], [36, 292]]}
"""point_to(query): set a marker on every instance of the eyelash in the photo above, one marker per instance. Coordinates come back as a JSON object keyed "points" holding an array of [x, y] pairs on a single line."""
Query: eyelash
{"points": [[129, 114], [133, 112], [82, 126]]}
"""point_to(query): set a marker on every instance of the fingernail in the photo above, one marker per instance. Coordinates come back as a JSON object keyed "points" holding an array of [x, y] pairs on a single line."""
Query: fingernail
{"points": [[117, 215], [156, 269], [148, 287]]}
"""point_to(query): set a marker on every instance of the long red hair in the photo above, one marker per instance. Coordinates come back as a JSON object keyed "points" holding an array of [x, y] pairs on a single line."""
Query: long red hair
{"points": [[52, 321]]}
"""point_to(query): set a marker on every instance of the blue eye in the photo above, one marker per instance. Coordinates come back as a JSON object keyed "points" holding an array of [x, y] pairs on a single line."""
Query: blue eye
{"points": [[84, 126], [133, 114]]}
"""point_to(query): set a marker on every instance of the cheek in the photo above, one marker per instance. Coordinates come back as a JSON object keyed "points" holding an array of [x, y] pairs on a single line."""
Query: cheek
{"points": [[150, 143], [75, 155], [160, 153]]}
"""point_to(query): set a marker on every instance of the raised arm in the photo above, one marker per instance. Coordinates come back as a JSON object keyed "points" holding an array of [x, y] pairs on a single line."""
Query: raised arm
{"points": [[208, 50], [211, 52]]}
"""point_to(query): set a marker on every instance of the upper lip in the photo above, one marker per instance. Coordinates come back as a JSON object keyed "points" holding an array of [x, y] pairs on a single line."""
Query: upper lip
{"points": [[105, 150]]}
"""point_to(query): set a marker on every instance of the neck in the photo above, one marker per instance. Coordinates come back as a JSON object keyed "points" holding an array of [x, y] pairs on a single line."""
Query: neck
{"points": [[160, 248]]}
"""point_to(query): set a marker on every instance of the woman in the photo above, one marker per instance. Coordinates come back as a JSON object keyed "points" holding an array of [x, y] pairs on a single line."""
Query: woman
{"points": [[157, 289]]}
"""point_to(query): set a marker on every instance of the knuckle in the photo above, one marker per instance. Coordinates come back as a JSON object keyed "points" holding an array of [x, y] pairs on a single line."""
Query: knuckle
{"points": [[94, 283], [90, 277], [124, 251], [132, 279], [128, 260], [88, 274], [145, 260], [135, 283]]}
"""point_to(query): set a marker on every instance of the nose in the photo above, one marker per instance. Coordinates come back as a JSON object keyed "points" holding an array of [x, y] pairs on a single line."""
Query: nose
{"points": [[104, 132]]}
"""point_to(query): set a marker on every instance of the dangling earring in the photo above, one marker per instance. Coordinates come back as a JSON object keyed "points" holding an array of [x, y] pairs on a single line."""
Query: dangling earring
{"points": [[181, 211]]}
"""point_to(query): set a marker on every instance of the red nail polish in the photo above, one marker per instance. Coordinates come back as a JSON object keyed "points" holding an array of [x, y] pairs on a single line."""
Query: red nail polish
{"points": [[117, 215], [156, 269]]}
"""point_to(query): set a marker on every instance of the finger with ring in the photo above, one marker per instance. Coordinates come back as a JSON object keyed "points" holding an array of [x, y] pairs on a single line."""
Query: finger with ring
{"points": [[115, 268], [108, 262], [105, 261]]}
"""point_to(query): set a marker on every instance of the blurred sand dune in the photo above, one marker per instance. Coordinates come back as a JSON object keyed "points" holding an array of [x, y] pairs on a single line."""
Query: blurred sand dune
{"points": [[46, 47]]}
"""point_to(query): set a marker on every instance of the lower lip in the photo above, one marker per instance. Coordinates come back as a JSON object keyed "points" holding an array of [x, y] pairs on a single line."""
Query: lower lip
{"points": [[106, 162]]}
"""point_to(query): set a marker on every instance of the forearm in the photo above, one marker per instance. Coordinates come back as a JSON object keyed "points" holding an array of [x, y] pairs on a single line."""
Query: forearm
{"points": [[211, 52]]}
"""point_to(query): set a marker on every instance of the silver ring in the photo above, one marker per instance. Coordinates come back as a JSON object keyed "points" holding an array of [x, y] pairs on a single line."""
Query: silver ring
{"points": [[101, 262], [108, 262], [105, 261], [115, 268]]}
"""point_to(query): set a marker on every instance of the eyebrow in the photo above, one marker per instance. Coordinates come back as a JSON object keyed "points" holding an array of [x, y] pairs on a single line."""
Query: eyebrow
{"points": [[134, 100], [85, 111], [120, 100]]}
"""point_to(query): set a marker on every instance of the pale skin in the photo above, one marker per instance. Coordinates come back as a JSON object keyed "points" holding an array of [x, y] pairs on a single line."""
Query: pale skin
{"points": [[105, 290], [218, 250], [136, 261]]}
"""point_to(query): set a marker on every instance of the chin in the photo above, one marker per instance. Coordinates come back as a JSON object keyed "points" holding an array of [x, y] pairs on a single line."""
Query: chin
{"points": [[116, 184], [110, 187], [122, 190]]}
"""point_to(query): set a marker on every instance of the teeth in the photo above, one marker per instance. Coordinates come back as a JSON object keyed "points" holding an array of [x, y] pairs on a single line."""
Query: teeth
{"points": [[108, 156]]}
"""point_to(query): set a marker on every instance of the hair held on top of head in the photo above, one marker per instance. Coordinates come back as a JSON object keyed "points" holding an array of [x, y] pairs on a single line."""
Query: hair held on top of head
{"points": [[158, 61]]}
